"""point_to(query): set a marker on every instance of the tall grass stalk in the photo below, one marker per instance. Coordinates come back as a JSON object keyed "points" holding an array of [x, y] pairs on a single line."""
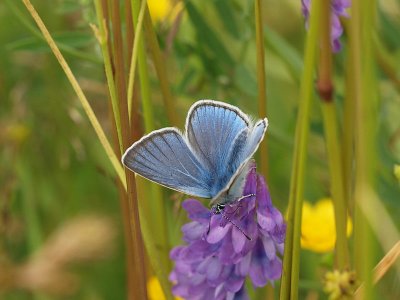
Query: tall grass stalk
{"points": [[382, 267], [135, 49], [325, 90], [365, 95], [157, 210], [291, 258], [161, 70], [153, 250], [148, 114], [103, 37], [262, 90], [348, 135]]}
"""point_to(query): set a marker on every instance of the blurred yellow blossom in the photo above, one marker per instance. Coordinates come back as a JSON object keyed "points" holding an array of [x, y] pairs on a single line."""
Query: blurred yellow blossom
{"points": [[318, 232], [154, 289], [159, 9], [164, 10], [396, 171]]}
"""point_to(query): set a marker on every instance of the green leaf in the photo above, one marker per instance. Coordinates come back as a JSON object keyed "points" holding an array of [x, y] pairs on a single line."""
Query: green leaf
{"points": [[69, 39], [207, 37], [284, 50], [224, 11]]}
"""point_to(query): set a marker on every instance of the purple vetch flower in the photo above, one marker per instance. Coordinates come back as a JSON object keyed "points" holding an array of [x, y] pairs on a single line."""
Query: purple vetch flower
{"points": [[338, 9], [218, 257]]}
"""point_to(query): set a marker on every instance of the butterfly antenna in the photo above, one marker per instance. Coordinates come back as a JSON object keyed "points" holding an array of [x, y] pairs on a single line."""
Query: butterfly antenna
{"points": [[234, 224], [245, 196]]}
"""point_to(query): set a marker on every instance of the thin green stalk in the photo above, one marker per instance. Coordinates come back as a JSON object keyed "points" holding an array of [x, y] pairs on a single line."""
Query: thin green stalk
{"points": [[147, 107], [348, 136], [139, 280], [337, 189], [129, 32], [325, 89], [78, 90], [361, 36], [161, 69], [119, 73], [290, 276], [132, 68], [262, 90], [158, 213], [151, 247], [103, 36]]}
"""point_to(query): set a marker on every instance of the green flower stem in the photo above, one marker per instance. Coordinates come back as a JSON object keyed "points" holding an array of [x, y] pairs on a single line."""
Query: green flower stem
{"points": [[348, 137], [337, 189], [365, 96], [149, 240], [325, 89], [78, 90], [262, 90], [290, 276]]}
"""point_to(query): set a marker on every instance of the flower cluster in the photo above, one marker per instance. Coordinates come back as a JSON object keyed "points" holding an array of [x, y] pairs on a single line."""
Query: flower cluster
{"points": [[340, 284], [338, 9], [223, 249]]}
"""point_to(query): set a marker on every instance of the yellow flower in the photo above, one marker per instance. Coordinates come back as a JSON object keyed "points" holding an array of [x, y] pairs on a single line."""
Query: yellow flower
{"points": [[396, 171], [154, 289], [318, 232], [159, 9]]}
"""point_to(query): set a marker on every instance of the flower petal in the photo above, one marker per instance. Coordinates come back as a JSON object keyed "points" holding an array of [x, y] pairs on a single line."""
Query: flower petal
{"points": [[193, 231], [238, 240], [196, 210], [217, 233]]}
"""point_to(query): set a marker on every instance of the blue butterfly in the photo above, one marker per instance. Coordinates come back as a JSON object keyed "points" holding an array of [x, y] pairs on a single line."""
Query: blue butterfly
{"points": [[210, 159]]}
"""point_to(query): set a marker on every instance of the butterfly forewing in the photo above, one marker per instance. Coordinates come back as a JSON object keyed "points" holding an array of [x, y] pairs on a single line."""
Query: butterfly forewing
{"points": [[164, 157]]}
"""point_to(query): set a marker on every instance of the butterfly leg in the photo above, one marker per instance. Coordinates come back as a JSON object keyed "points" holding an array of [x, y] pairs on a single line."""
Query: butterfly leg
{"points": [[219, 210]]}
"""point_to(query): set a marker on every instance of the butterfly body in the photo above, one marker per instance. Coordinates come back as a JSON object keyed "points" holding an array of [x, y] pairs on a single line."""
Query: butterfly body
{"points": [[210, 160]]}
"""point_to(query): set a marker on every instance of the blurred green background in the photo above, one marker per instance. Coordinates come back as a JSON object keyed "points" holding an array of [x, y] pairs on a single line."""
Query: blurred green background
{"points": [[53, 168]]}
